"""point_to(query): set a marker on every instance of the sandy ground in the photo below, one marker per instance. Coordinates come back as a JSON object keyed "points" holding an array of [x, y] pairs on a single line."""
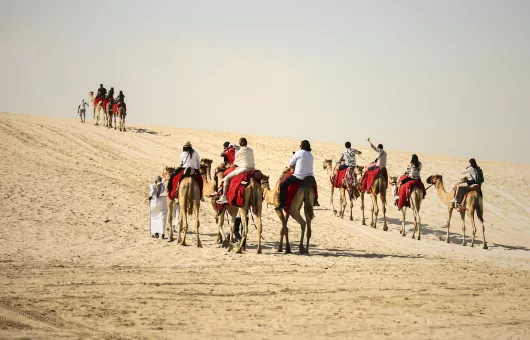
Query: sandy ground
{"points": [[76, 259]]}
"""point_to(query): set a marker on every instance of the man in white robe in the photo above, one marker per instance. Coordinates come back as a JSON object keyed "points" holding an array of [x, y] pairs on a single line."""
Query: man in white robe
{"points": [[158, 208]]}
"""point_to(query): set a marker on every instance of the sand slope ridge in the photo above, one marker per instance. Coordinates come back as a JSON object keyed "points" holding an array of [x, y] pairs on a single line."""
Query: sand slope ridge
{"points": [[77, 260]]}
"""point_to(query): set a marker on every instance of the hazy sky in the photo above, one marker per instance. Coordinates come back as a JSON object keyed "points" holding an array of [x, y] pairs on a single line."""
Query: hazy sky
{"points": [[447, 77]]}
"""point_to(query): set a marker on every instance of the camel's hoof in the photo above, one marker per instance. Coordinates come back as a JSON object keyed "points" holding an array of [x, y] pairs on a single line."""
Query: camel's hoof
{"points": [[403, 234], [179, 240], [418, 238], [485, 247], [171, 239], [335, 212], [199, 244], [463, 244], [259, 251], [301, 251], [351, 218], [288, 251], [280, 249], [183, 243], [364, 223], [225, 243], [385, 228]]}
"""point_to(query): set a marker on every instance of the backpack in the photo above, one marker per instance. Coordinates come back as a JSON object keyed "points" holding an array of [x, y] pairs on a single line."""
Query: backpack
{"points": [[480, 176]]}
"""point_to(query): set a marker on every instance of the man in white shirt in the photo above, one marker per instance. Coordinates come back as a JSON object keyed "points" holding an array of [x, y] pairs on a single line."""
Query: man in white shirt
{"points": [[302, 161], [348, 156], [380, 161], [190, 159], [81, 109], [244, 162]]}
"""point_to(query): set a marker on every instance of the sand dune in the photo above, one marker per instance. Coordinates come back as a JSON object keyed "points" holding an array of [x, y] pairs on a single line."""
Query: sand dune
{"points": [[77, 261]]}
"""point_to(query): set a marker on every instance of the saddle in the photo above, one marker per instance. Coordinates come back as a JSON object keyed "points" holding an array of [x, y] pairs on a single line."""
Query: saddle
{"points": [[461, 195]]}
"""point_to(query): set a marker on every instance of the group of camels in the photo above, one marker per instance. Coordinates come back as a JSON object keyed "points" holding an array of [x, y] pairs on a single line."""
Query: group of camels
{"points": [[254, 195], [474, 203], [107, 113], [258, 191]]}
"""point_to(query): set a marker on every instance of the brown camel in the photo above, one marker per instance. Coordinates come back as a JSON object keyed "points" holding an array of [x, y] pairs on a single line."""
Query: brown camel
{"points": [[96, 108], [253, 200], [474, 204], [304, 196], [378, 188], [121, 113], [209, 185], [189, 202], [328, 165], [416, 197]]}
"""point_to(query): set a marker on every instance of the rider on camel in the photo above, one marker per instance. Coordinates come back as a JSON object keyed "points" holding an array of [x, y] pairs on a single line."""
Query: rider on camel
{"points": [[244, 162], [102, 92], [380, 161], [302, 161], [413, 172], [348, 157], [228, 153]]}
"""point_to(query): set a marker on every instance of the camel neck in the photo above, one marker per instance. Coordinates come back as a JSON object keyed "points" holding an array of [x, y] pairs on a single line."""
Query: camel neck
{"points": [[444, 196]]}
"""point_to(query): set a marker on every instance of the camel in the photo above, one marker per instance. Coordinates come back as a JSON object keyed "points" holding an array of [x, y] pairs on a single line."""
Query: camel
{"points": [[474, 204], [209, 185], [304, 196], [96, 108], [121, 113], [328, 165], [416, 197], [378, 188], [189, 202], [253, 200]]}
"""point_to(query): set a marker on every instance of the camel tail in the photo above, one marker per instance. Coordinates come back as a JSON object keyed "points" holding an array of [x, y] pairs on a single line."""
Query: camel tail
{"points": [[308, 205]]}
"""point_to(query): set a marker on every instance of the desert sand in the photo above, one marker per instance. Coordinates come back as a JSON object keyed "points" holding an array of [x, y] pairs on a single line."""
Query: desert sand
{"points": [[77, 260]]}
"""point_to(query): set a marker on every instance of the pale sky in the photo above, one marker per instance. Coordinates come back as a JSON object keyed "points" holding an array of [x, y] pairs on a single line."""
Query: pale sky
{"points": [[444, 77]]}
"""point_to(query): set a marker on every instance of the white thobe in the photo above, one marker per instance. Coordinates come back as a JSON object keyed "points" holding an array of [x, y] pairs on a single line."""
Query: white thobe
{"points": [[158, 207]]}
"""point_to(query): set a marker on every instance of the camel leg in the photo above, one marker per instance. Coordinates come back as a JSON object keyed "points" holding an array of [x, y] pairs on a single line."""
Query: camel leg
{"points": [[483, 233], [282, 230], [220, 222], [471, 214], [115, 118], [197, 223], [403, 213], [383, 203], [259, 226], [308, 218], [448, 224], [418, 220], [169, 223], [244, 214], [342, 206], [331, 199], [463, 217], [375, 210], [362, 208], [351, 208], [181, 221], [298, 218]]}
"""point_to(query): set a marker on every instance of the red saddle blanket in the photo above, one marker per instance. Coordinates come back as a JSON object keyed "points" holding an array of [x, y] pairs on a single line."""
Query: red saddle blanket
{"points": [[291, 192], [174, 193], [238, 183], [339, 177], [370, 176], [105, 102], [116, 106], [406, 189], [96, 101]]}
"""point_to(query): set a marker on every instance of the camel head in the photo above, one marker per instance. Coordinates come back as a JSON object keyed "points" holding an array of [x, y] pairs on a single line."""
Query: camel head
{"points": [[265, 181], [434, 179], [327, 163], [393, 180], [207, 162], [167, 172], [203, 168], [359, 170], [219, 171]]}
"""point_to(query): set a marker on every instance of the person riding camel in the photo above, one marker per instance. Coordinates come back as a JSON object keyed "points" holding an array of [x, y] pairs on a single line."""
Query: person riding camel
{"points": [[102, 92], [190, 162], [302, 161], [380, 161], [110, 96], [244, 161], [412, 172], [229, 153], [475, 176], [348, 157]]}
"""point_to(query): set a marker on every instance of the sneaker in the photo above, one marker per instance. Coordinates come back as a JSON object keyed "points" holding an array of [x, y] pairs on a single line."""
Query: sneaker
{"points": [[212, 195], [222, 200], [280, 207], [396, 198]]}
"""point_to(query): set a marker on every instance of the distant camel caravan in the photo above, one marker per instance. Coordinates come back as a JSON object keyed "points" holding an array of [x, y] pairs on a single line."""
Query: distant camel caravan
{"points": [[110, 112]]}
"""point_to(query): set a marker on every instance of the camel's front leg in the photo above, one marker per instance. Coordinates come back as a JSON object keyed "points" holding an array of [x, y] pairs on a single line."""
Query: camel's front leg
{"points": [[342, 206], [115, 117], [197, 224], [282, 230], [463, 217], [471, 214], [169, 224], [331, 199], [220, 222], [244, 214], [298, 218], [448, 224], [403, 213], [484, 234], [418, 221], [351, 208], [308, 218], [362, 208]]}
